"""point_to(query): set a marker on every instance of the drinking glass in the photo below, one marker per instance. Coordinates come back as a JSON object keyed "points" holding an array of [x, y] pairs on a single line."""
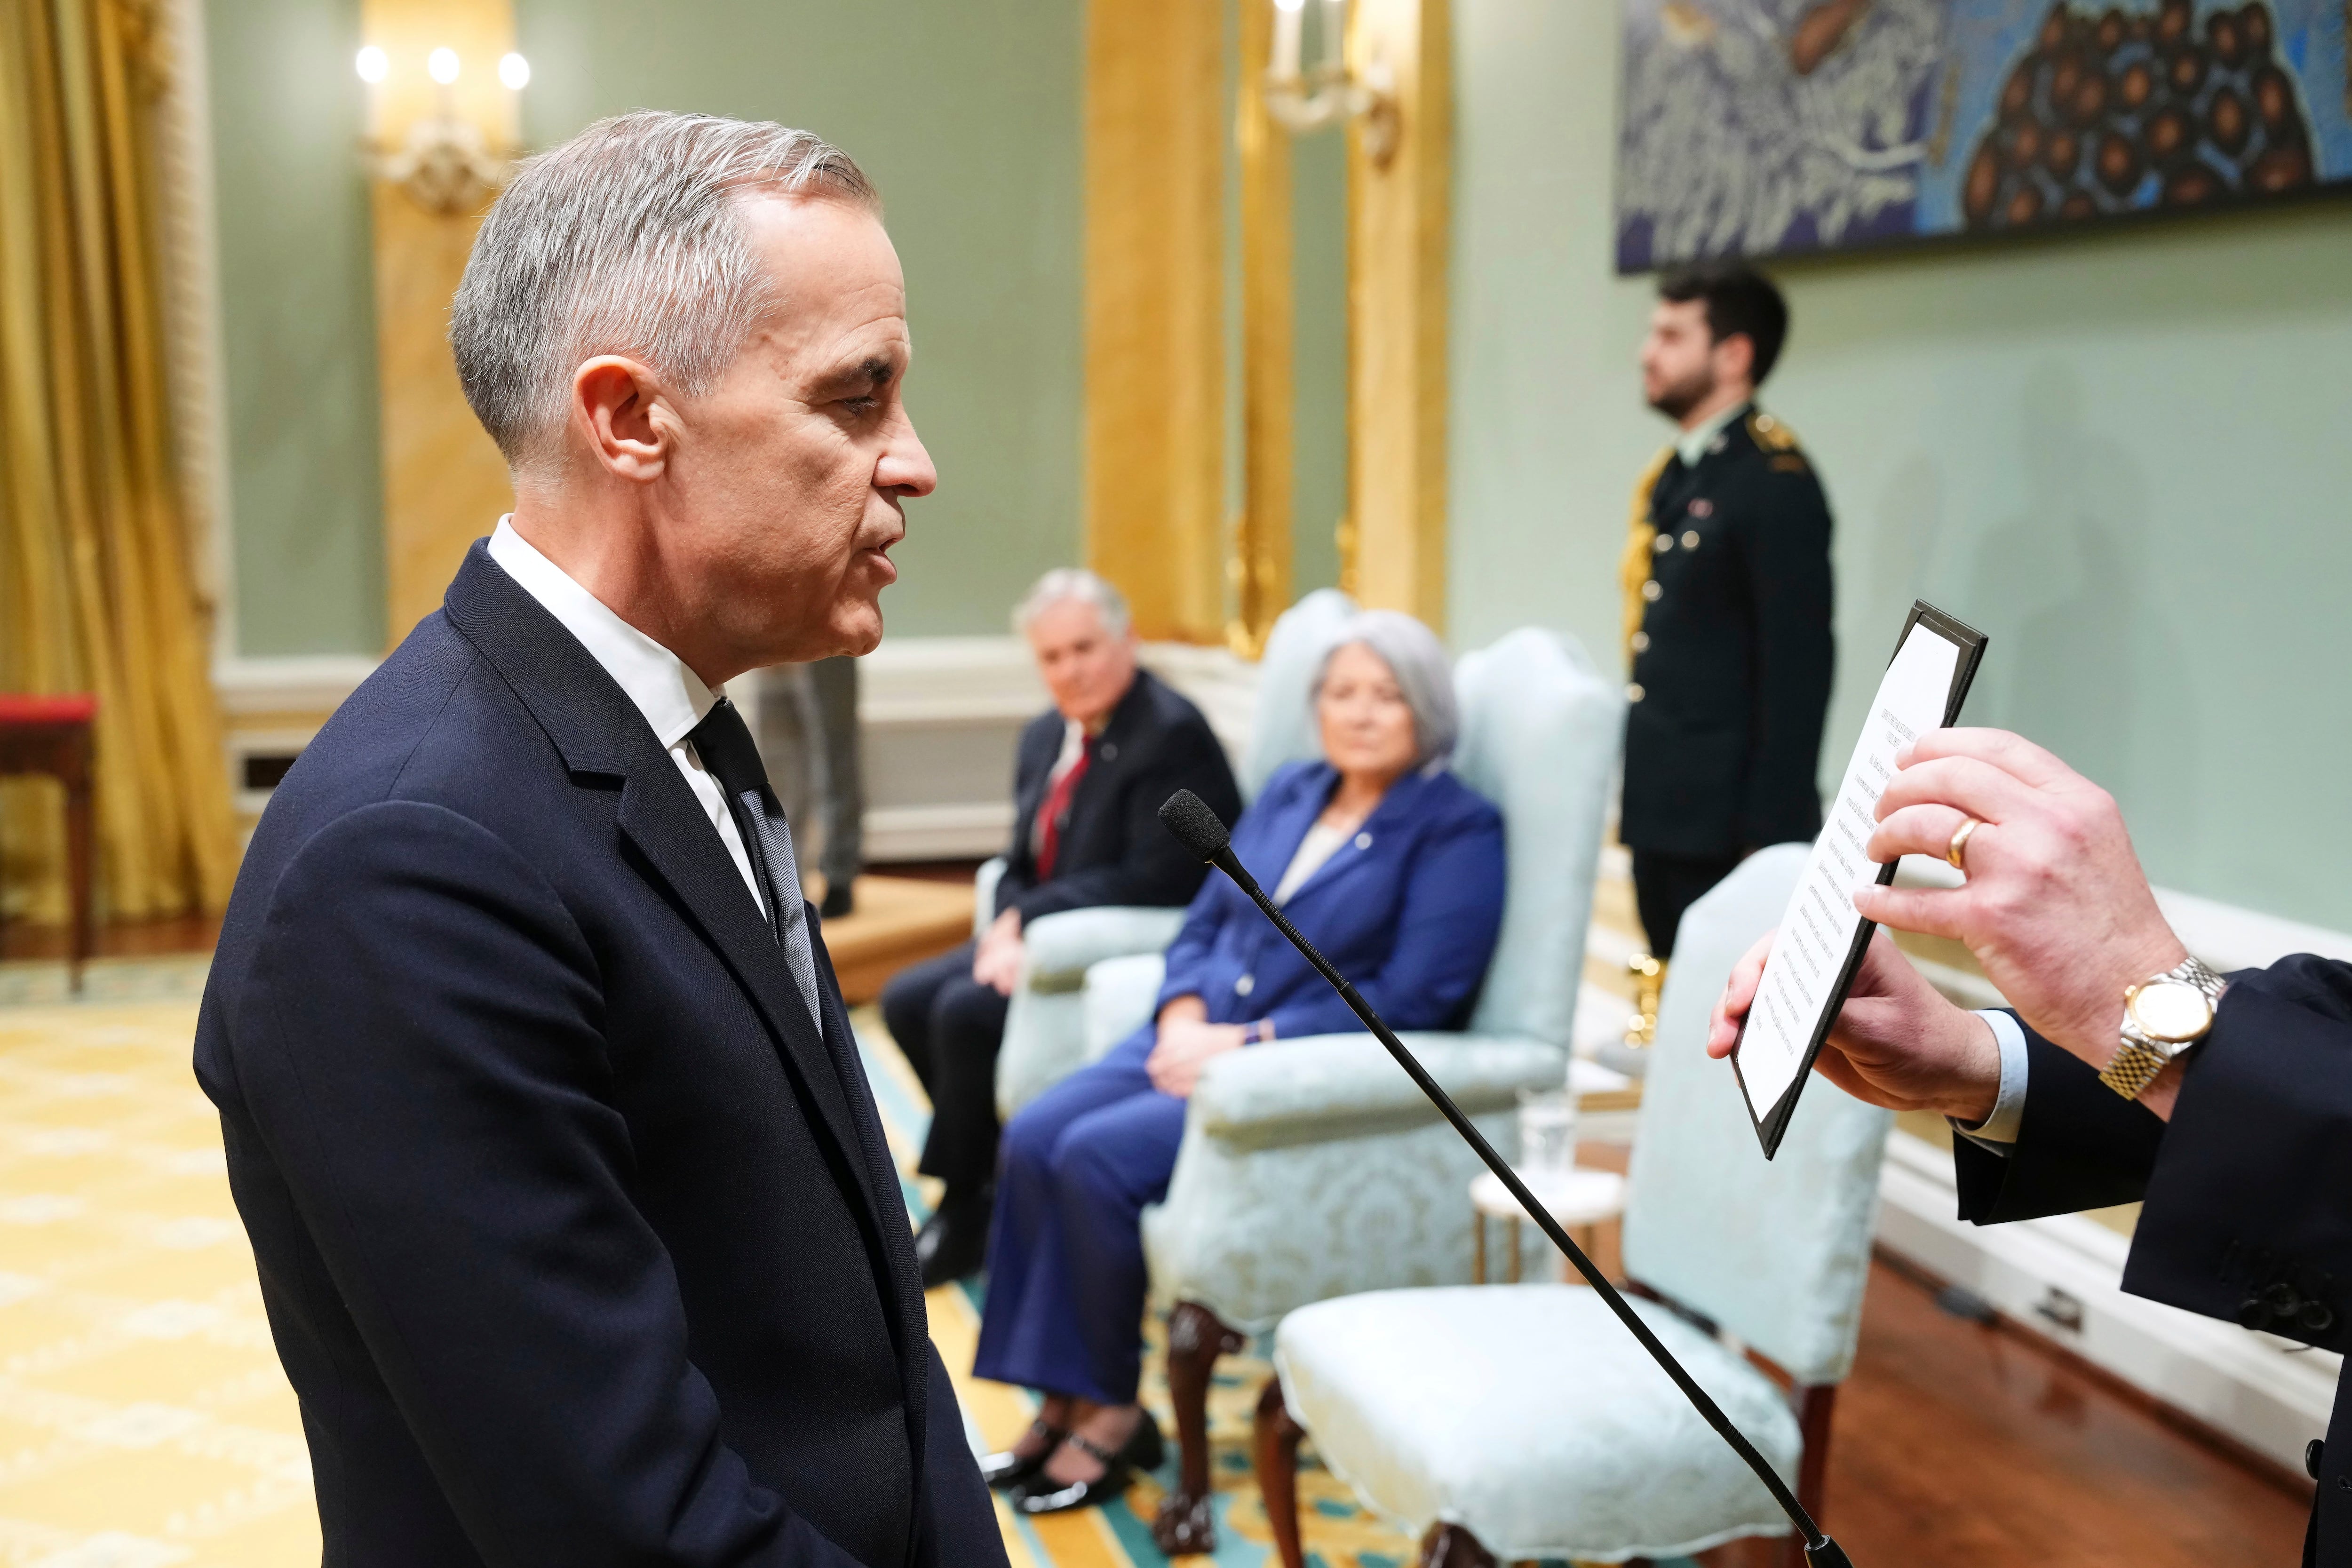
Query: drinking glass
{"points": [[1547, 1131]]}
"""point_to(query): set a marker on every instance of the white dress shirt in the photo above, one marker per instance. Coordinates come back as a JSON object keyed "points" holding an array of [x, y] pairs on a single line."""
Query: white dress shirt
{"points": [[1319, 845], [1998, 1131], [1693, 443], [671, 696]]}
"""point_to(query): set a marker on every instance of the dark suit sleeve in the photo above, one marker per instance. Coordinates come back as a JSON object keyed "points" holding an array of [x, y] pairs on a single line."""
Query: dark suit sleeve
{"points": [[2079, 1146], [961, 1517], [420, 1043], [1790, 601], [1153, 868], [1452, 911], [2244, 1189], [1031, 760]]}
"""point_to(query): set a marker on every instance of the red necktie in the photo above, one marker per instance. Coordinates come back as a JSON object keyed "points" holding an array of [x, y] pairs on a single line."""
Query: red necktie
{"points": [[1056, 811]]}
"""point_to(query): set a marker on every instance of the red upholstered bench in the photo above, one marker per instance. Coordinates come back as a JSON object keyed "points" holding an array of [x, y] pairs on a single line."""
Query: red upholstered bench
{"points": [[51, 735]]}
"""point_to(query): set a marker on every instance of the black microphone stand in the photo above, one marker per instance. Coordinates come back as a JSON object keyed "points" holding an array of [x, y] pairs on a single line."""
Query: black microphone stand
{"points": [[1200, 831]]}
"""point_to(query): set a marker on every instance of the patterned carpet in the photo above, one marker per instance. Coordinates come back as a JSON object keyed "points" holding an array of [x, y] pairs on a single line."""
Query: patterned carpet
{"points": [[144, 1421], [143, 1418]]}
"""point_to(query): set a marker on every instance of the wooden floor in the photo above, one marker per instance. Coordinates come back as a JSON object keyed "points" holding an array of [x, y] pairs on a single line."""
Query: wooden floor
{"points": [[1959, 1443]]}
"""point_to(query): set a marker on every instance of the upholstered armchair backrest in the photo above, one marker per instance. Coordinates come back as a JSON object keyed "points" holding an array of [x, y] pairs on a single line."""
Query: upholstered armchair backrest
{"points": [[1777, 1253], [1539, 738], [1284, 728]]}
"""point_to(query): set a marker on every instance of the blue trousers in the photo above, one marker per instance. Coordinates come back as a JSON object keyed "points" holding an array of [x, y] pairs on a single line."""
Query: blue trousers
{"points": [[1065, 1277]]}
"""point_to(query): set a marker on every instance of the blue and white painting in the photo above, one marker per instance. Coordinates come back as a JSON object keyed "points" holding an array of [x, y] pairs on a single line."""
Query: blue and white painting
{"points": [[1768, 127]]}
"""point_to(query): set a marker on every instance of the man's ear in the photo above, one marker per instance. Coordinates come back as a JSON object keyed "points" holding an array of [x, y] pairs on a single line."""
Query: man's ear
{"points": [[1734, 358], [622, 412]]}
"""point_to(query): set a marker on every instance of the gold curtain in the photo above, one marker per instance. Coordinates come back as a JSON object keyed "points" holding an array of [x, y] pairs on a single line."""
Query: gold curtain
{"points": [[96, 594]]}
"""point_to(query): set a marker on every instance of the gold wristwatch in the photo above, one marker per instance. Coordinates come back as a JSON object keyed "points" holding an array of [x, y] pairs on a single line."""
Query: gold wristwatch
{"points": [[2165, 1016]]}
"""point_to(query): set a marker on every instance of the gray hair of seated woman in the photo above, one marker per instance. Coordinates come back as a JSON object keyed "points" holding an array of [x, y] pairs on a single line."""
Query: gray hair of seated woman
{"points": [[1424, 675]]}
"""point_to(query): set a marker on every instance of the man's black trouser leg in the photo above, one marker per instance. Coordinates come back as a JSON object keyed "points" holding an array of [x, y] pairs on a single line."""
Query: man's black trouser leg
{"points": [[950, 1025], [1667, 885]]}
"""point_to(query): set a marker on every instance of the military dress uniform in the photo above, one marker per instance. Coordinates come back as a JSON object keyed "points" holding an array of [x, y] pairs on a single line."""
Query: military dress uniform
{"points": [[1727, 580]]}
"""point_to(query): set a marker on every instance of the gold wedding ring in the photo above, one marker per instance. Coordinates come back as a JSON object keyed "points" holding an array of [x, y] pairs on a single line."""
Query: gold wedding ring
{"points": [[1957, 849]]}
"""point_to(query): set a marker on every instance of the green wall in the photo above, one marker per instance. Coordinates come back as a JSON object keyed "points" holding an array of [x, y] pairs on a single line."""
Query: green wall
{"points": [[1320, 436], [297, 326], [2122, 456], [966, 113]]}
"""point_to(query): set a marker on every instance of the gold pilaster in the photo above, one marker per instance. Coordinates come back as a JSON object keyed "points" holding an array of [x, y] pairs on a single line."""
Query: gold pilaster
{"points": [[1393, 549], [1261, 559], [1155, 311], [444, 481]]}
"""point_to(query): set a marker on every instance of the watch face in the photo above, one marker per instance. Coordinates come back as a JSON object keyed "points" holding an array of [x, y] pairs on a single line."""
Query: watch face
{"points": [[2171, 1012]]}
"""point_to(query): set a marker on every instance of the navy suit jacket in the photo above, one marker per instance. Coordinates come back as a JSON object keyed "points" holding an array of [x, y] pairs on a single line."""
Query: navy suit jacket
{"points": [[1408, 910], [580, 1242], [2247, 1190], [1113, 849]]}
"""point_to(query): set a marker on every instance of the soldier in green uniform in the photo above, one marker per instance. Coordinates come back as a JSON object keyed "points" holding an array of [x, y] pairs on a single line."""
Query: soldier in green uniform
{"points": [[1727, 601]]}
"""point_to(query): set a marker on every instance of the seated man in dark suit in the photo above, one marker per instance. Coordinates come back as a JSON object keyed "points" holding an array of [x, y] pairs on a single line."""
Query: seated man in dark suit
{"points": [[575, 1224], [2127, 1071], [1087, 782]]}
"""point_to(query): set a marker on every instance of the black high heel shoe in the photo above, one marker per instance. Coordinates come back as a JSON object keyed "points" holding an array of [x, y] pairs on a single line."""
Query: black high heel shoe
{"points": [[1144, 1450], [1008, 1469]]}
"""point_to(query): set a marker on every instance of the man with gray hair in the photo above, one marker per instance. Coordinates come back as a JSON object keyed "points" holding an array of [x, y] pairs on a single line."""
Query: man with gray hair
{"points": [[1089, 778], [574, 1221]]}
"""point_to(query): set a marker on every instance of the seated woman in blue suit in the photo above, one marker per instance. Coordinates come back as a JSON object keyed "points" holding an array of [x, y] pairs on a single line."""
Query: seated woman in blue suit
{"points": [[1387, 862]]}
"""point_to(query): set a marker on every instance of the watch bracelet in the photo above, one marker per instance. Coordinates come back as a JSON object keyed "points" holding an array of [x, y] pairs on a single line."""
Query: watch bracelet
{"points": [[2133, 1068], [2138, 1060]]}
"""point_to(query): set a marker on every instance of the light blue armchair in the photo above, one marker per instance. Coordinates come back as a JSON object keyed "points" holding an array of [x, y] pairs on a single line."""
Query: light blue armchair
{"points": [[1046, 1035], [1314, 1168], [1524, 1422]]}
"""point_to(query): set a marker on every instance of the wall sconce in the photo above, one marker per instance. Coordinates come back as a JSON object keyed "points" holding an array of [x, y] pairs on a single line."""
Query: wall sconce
{"points": [[444, 162], [1302, 101]]}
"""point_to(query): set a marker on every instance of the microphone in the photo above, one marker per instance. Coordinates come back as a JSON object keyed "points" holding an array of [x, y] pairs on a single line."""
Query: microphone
{"points": [[1198, 828]]}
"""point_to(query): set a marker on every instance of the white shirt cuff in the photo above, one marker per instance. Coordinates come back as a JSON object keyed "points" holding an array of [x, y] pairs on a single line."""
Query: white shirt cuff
{"points": [[1999, 1130]]}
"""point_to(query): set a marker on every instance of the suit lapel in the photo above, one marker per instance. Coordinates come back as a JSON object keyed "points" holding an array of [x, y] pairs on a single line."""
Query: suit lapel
{"points": [[910, 1325], [1348, 857], [602, 736], [660, 816]]}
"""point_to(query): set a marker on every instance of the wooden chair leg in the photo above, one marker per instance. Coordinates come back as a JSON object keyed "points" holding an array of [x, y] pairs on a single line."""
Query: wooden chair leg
{"points": [[1276, 1442], [1196, 1338], [1815, 1402], [81, 870], [1450, 1546]]}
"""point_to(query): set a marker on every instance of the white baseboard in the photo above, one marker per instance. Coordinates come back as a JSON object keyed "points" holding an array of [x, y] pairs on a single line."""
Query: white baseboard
{"points": [[303, 683], [955, 831], [2061, 1277]]}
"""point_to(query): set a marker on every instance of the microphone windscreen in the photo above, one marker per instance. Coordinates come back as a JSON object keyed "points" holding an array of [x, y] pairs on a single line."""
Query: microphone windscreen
{"points": [[1196, 827]]}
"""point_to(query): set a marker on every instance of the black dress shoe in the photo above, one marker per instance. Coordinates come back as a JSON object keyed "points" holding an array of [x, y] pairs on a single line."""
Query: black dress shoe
{"points": [[1143, 1451], [838, 901], [954, 1242], [1008, 1469]]}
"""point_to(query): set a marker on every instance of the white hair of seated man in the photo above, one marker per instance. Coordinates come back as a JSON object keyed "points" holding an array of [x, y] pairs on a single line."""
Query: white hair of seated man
{"points": [[626, 240], [1424, 675], [1074, 583]]}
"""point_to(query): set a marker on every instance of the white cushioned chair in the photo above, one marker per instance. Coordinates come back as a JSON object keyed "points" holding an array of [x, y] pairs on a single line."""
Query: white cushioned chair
{"points": [[1314, 1168], [1509, 1422], [1045, 1030]]}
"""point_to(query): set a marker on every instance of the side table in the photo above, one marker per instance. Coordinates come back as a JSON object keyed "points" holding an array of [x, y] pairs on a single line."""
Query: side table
{"points": [[1578, 1199], [51, 735]]}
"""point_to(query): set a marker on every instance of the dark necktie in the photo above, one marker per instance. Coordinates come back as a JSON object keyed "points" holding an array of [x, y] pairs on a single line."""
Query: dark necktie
{"points": [[1054, 815], [724, 743]]}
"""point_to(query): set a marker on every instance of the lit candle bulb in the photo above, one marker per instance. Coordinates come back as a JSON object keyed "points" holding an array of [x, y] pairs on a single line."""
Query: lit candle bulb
{"points": [[1288, 15]]}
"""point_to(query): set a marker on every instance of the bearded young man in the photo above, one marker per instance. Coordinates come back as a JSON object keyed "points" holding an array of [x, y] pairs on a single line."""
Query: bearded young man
{"points": [[1727, 604], [576, 1227]]}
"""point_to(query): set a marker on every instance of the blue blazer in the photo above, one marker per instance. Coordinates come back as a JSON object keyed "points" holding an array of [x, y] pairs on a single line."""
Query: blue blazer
{"points": [[1408, 910]]}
